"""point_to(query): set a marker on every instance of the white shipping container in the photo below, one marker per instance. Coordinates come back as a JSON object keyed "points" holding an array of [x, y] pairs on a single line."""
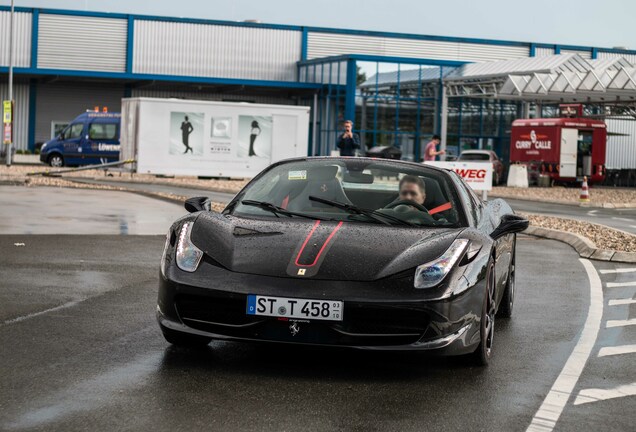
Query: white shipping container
{"points": [[621, 148], [213, 139]]}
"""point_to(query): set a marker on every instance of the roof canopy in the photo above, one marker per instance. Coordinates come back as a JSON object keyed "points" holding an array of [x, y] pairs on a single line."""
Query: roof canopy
{"points": [[557, 79]]}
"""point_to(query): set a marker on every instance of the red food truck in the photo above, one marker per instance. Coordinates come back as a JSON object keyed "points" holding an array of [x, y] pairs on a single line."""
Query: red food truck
{"points": [[564, 148]]}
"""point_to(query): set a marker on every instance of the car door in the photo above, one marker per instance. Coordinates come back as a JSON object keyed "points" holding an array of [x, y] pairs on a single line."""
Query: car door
{"points": [[72, 143]]}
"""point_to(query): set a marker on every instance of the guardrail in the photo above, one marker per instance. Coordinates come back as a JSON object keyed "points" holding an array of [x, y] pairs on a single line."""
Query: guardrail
{"points": [[57, 173]]}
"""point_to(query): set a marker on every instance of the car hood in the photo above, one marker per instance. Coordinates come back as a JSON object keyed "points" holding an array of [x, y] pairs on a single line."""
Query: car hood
{"points": [[317, 249]]}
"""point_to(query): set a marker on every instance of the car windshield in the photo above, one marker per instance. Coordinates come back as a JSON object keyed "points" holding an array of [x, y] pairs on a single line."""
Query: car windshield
{"points": [[474, 157], [353, 190]]}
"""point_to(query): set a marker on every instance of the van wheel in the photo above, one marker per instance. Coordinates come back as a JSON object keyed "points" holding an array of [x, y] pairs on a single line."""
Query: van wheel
{"points": [[56, 160]]}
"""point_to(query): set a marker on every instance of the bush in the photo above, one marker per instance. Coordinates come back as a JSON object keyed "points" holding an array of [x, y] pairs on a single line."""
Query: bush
{"points": [[19, 151], [37, 151], [27, 152]]}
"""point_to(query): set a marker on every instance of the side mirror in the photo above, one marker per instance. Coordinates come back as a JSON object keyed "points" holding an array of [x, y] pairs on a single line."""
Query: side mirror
{"points": [[509, 224], [195, 204]]}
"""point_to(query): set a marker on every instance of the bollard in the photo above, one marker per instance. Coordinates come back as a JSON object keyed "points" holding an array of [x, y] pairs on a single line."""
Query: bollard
{"points": [[585, 193]]}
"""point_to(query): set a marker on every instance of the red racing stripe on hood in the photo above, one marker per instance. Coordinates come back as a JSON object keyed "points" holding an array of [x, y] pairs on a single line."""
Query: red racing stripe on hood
{"points": [[322, 249]]}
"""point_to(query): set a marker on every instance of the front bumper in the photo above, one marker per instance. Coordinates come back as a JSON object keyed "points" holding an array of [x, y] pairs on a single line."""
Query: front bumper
{"points": [[371, 320]]}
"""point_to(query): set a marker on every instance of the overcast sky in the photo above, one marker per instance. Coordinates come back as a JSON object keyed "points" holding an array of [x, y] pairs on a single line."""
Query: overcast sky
{"points": [[607, 23]]}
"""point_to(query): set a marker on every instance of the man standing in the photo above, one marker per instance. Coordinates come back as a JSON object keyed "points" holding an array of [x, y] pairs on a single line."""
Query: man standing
{"points": [[348, 142], [186, 130], [430, 151]]}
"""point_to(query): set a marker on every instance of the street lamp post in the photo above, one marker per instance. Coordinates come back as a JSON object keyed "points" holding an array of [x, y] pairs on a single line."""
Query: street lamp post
{"points": [[10, 146]]}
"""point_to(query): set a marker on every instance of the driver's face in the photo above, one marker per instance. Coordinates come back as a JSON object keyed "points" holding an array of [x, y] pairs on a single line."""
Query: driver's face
{"points": [[412, 192]]}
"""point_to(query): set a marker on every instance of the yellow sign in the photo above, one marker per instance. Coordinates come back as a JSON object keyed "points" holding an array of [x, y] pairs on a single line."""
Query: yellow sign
{"points": [[6, 111]]}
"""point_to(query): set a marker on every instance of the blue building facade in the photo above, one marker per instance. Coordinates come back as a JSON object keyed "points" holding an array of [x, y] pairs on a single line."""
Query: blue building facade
{"points": [[70, 61]]}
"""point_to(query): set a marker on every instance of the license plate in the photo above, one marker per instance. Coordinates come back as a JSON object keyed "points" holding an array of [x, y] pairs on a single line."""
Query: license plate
{"points": [[330, 310]]}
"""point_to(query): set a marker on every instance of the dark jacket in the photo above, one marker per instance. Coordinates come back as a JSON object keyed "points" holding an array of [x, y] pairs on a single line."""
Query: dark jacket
{"points": [[348, 146]]}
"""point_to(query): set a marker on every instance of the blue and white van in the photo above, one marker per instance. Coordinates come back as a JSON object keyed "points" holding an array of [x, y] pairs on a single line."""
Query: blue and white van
{"points": [[92, 138]]}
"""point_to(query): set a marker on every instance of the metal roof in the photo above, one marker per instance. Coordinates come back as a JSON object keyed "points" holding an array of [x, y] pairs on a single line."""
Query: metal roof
{"points": [[524, 66], [609, 63], [557, 78], [408, 76]]}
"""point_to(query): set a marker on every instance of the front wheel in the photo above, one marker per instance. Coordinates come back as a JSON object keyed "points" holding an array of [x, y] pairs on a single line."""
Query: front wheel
{"points": [[56, 160], [483, 353], [184, 339]]}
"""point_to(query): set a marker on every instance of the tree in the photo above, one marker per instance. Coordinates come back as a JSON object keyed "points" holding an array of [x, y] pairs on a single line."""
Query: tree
{"points": [[360, 76]]}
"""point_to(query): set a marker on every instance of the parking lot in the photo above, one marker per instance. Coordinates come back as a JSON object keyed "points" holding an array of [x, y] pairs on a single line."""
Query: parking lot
{"points": [[83, 350]]}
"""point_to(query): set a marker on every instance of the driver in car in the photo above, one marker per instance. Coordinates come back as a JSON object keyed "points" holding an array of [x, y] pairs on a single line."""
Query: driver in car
{"points": [[412, 188]]}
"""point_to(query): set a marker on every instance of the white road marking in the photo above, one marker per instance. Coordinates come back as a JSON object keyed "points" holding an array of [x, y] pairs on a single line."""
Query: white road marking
{"points": [[591, 212], [548, 414], [33, 315], [623, 219], [618, 302], [595, 395], [620, 284], [619, 270], [617, 350], [620, 323]]}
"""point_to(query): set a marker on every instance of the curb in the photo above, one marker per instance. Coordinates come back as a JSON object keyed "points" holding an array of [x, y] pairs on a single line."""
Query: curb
{"points": [[113, 182], [584, 246]]}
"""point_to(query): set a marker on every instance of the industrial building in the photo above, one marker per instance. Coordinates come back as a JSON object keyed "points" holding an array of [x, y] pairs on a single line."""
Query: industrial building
{"points": [[399, 89]]}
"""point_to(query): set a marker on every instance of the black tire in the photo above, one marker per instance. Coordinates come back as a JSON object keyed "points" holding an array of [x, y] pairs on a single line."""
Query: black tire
{"points": [[483, 353], [184, 339], [508, 299], [56, 160]]}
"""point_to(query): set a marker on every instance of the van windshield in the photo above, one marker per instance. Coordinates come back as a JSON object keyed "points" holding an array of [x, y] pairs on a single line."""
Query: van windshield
{"points": [[73, 131]]}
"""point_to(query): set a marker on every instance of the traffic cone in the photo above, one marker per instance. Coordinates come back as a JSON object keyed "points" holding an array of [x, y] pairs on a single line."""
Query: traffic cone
{"points": [[585, 192]]}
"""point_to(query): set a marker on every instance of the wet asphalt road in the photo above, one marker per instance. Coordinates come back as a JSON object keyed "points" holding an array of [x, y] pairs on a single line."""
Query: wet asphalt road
{"points": [[99, 362], [81, 350], [221, 197]]}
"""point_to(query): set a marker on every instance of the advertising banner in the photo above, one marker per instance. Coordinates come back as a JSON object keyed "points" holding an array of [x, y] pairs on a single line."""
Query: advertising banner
{"points": [[224, 139], [7, 111], [7, 119], [478, 175]]}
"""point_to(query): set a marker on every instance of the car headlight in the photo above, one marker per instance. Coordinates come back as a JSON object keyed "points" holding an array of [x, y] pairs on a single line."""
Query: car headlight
{"points": [[432, 273], [43, 147], [188, 255]]}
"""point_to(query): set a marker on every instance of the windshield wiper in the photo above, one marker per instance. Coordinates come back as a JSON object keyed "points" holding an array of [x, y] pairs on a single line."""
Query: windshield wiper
{"points": [[353, 209], [278, 210]]}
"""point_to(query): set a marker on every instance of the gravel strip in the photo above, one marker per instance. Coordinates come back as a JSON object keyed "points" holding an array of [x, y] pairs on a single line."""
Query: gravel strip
{"points": [[559, 194], [603, 237], [19, 173]]}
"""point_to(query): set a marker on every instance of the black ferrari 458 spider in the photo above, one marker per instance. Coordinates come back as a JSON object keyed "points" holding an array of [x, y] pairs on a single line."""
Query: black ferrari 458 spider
{"points": [[349, 252]]}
